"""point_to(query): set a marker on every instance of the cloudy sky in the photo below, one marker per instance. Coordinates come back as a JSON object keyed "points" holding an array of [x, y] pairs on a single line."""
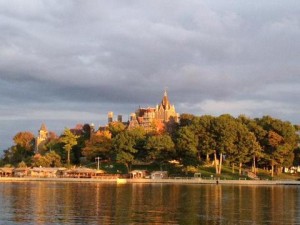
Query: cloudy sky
{"points": [[68, 62]]}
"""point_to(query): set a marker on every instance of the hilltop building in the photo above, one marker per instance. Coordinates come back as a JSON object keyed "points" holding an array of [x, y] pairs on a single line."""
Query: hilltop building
{"points": [[41, 138], [164, 112], [145, 117]]}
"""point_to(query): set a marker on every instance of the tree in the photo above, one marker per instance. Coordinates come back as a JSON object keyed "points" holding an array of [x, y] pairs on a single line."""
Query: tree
{"points": [[245, 147], [139, 136], [50, 159], [98, 145], [274, 141], [157, 127], [85, 134], [160, 148], [255, 150], [22, 150], [116, 127], [202, 127], [186, 119], [87, 131], [25, 140], [260, 134], [224, 133], [69, 140], [279, 143], [127, 144], [186, 146], [123, 148], [297, 156]]}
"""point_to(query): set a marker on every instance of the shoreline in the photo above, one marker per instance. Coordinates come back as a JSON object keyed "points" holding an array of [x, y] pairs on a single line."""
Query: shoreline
{"points": [[152, 181]]}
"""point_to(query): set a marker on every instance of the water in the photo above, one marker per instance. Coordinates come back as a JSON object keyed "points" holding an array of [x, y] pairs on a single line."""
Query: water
{"points": [[97, 203]]}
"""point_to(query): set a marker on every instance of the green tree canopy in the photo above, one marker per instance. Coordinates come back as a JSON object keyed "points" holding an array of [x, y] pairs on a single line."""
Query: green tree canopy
{"points": [[69, 140], [160, 148], [202, 127], [126, 145], [123, 148], [99, 144], [116, 127], [279, 143], [224, 132], [186, 146]]}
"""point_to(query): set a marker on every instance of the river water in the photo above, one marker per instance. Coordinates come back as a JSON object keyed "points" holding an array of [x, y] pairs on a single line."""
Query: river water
{"points": [[104, 203]]}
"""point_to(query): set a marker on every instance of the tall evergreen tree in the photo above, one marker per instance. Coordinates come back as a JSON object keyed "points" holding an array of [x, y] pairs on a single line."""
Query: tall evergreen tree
{"points": [[69, 140]]}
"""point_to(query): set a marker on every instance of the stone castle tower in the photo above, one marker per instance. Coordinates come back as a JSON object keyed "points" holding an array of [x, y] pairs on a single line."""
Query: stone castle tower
{"points": [[42, 137], [165, 111]]}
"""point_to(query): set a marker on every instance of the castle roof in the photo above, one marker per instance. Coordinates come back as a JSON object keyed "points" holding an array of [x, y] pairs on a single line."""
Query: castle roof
{"points": [[43, 127], [165, 103], [142, 111]]}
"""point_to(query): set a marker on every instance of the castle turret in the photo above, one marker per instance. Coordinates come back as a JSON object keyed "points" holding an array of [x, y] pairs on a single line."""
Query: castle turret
{"points": [[110, 117], [42, 136], [120, 119]]}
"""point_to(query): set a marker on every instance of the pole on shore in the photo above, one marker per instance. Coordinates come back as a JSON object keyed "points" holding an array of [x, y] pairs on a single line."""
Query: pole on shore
{"points": [[98, 162]]}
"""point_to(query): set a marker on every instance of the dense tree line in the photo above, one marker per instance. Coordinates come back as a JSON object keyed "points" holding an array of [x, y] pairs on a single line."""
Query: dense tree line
{"points": [[262, 142]]}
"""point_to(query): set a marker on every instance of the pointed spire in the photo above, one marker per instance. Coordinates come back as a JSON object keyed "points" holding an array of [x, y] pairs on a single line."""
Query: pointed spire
{"points": [[165, 101], [43, 127]]}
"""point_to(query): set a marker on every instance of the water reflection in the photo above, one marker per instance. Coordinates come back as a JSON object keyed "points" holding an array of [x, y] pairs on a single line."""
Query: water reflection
{"points": [[96, 203]]}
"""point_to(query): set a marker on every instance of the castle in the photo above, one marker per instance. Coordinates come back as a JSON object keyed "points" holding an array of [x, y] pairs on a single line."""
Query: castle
{"points": [[145, 117]]}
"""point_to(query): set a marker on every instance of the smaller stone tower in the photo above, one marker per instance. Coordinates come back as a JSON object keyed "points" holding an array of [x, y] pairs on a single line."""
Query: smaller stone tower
{"points": [[120, 118], [110, 117], [42, 137]]}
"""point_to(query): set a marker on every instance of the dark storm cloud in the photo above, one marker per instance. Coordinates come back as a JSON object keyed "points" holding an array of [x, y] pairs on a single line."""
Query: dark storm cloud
{"points": [[76, 60]]}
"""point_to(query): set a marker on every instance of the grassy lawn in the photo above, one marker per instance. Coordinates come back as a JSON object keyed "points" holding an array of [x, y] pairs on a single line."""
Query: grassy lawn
{"points": [[226, 173], [262, 174]]}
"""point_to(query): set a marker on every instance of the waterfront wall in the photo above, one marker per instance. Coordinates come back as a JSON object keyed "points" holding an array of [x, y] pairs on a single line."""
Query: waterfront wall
{"points": [[155, 181]]}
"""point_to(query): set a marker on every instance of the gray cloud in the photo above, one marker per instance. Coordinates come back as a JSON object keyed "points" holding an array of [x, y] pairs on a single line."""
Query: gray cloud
{"points": [[76, 60]]}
